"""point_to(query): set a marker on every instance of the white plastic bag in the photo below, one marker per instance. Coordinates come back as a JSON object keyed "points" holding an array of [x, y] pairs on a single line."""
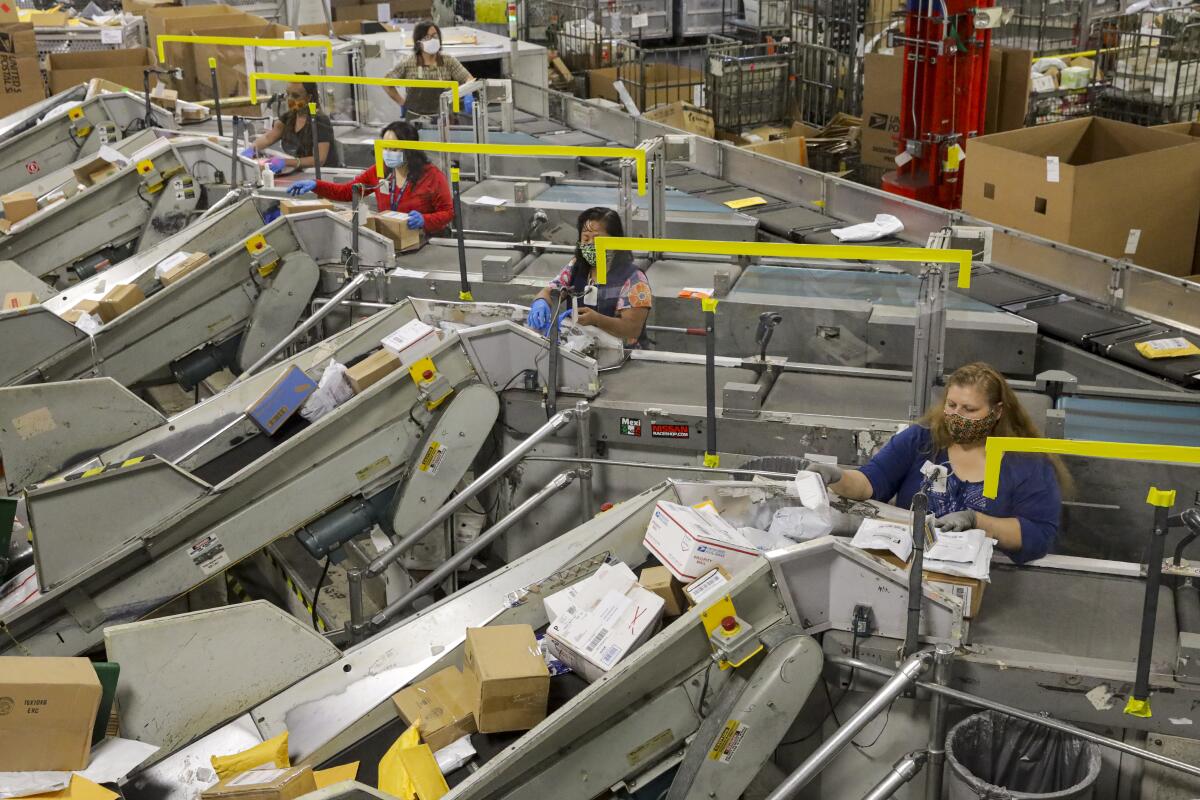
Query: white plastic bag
{"points": [[883, 225], [332, 390]]}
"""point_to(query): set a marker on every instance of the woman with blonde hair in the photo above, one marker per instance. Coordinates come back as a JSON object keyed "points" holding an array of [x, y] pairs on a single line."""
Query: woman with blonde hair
{"points": [[978, 403]]}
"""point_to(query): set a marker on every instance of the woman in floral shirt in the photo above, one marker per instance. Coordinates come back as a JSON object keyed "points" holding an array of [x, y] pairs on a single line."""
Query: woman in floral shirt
{"points": [[620, 306]]}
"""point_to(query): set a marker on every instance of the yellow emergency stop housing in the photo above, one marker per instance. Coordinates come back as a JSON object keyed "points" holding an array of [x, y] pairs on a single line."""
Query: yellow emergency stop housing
{"points": [[714, 618]]}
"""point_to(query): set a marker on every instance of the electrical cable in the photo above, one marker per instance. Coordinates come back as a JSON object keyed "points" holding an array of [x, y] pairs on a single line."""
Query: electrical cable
{"points": [[317, 594], [704, 688], [832, 704]]}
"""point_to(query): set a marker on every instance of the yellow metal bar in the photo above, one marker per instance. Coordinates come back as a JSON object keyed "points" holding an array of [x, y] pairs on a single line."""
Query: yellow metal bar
{"points": [[354, 80], [855, 252], [997, 446], [567, 151], [245, 41]]}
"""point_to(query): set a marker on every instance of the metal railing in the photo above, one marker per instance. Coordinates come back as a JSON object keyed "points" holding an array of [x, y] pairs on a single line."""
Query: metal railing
{"points": [[749, 84], [1153, 64]]}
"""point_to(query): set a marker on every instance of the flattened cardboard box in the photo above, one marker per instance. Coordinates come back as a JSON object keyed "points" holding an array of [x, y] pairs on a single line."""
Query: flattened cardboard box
{"points": [[1088, 183], [441, 704], [507, 678], [264, 784], [47, 711]]}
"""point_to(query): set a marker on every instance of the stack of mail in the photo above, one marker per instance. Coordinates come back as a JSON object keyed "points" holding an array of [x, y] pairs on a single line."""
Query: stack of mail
{"points": [[967, 554]]}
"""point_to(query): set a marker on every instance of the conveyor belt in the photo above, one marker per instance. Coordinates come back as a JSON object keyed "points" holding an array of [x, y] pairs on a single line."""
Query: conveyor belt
{"points": [[649, 383], [1075, 322], [765, 281], [535, 127], [741, 193], [1000, 290], [697, 182]]}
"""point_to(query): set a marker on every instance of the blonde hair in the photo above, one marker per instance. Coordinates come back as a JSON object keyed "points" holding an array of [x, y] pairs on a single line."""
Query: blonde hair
{"points": [[1014, 419]]}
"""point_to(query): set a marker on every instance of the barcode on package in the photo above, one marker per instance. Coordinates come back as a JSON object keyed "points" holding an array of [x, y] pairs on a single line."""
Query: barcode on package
{"points": [[596, 640], [609, 655]]}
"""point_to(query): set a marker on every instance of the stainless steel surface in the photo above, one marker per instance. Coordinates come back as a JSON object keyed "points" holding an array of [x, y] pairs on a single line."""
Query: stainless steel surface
{"points": [[903, 771], [583, 449], [909, 671], [935, 748]]}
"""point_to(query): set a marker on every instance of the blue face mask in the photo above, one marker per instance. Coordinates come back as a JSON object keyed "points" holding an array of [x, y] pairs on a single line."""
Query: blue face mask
{"points": [[393, 158]]}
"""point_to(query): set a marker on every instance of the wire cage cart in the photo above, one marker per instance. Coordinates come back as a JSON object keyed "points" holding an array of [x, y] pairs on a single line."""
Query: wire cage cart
{"points": [[1152, 60], [586, 32], [654, 76], [755, 20], [749, 84], [85, 38], [831, 38]]}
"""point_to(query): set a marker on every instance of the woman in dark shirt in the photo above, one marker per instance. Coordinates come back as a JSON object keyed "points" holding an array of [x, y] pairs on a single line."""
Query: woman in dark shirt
{"points": [[294, 136]]}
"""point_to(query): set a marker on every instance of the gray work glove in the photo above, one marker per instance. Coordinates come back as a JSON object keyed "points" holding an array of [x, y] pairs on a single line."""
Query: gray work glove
{"points": [[830, 473], [956, 521]]}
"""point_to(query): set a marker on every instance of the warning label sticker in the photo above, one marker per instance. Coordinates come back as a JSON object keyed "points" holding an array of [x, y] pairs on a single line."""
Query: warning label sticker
{"points": [[670, 430], [208, 554], [431, 462], [727, 743]]}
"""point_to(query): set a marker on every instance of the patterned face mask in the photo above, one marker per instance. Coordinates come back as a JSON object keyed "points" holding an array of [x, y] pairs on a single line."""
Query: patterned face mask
{"points": [[967, 431], [589, 253]]}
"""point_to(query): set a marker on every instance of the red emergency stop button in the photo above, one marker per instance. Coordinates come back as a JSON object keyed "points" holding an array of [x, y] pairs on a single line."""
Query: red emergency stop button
{"points": [[427, 374], [729, 624]]}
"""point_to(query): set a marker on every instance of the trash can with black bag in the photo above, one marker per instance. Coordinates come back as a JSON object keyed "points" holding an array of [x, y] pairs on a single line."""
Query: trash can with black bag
{"points": [[991, 755]]}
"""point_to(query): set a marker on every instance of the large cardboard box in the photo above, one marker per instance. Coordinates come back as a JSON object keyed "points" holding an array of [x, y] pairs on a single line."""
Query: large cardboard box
{"points": [[793, 150], [1091, 183], [284, 783], [140, 7], [507, 677], [8, 11], [882, 83], [690, 541], [968, 590], [355, 11], [201, 20], [47, 711], [20, 83], [1187, 129], [233, 77], [17, 39], [1009, 84], [649, 85], [684, 116], [440, 705], [123, 67]]}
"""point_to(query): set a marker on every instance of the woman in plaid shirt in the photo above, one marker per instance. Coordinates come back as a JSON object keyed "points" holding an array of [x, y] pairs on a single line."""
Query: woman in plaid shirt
{"points": [[620, 306], [427, 63]]}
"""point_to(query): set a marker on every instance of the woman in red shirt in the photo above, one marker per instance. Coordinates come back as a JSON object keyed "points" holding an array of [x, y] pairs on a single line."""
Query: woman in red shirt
{"points": [[411, 184]]}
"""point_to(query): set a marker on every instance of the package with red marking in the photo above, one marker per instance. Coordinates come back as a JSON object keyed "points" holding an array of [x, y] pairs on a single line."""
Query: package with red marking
{"points": [[591, 640]]}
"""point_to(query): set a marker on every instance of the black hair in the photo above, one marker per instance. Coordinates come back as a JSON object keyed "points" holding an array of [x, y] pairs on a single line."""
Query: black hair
{"points": [[611, 221], [311, 90], [417, 160], [420, 31]]}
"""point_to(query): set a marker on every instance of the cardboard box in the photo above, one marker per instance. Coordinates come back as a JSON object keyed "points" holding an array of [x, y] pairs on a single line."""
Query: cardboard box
{"points": [[18, 206], [354, 11], [660, 581], [49, 19], [8, 12], [140, 7], [122, 67], [707, 587], [166, 98], [394, 225], [18, 39], [440, 706], [22, 83], [203, 20], [690, 542], [507, 678], [233, 79], [50, 707], [119, 300], [1009, 85], [587, 592], [412, 341], [280, 402], [14, 300], [95, 171], [968, 590], [284, 783], [1090, 182], [882, 84], [792, 150], [289, 206], [595, 638], [347, 28], [73, 314], [173, 268], [371, 370], [685, 117], [649, 85], [1187, 129]]}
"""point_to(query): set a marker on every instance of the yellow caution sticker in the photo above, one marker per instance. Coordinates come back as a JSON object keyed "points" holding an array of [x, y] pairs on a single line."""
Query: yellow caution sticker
{"points": [[431, 462], [727, 742]]}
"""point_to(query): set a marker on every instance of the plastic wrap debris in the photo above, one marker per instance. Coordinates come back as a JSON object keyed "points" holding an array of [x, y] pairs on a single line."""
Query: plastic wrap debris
{"points": [[89, 324], [765, 541], [813, 518], [990, 755], [21, 588], [553, 663], [332, 390], [24, 784], [882, 226], [455, 755]]}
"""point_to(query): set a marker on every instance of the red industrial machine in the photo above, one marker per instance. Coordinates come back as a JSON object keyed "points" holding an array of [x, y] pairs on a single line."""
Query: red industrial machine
{"points": [[946, 46]]}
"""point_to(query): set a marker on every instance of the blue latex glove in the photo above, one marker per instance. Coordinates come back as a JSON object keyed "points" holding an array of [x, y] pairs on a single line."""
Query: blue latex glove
{"points": [[468, 103], [277, 164], [415, 220], [271, 215], [539, 315], [248, 152], [302, 187], [563, 317]]}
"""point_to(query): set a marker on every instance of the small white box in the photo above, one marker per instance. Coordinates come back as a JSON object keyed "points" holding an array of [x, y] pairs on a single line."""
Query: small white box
{"points": [[587, 593], [591, 642], [412, 342], [689, 542]]}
